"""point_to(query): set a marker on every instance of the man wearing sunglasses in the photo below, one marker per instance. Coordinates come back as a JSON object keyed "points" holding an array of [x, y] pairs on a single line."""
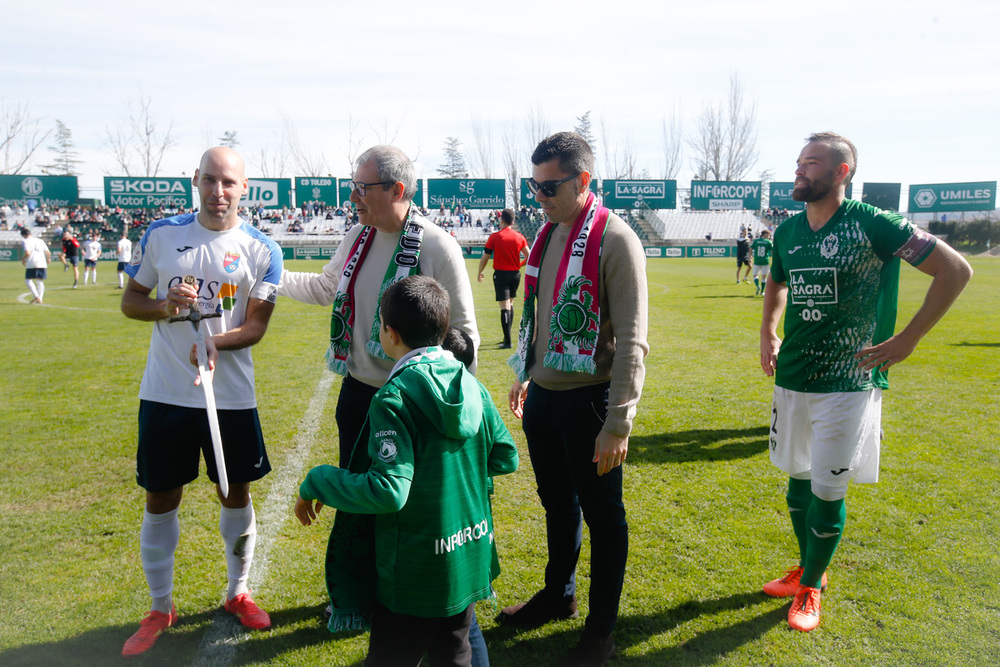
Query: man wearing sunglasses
{"points": [[580, 372]]}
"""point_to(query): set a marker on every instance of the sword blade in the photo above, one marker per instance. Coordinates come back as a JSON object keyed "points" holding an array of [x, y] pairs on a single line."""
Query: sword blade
{"points": [[213, 413]]}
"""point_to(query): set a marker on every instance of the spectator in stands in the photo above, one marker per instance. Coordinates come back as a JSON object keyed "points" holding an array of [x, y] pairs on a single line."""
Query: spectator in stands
{"points": [[509, 250]]}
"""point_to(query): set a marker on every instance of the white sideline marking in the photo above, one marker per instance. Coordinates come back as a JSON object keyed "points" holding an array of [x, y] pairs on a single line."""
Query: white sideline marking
{"points": [[218, 646], [26, 298]]}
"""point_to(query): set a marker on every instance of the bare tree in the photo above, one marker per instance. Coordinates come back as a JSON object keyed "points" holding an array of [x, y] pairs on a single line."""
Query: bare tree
{"points": [[535, 126], [725, 146], [139, 143], [20, 137], [354, 142], [270, 162], [386, 134], [305, 162], [620, 159], [511, 163], [65, 161], [672, 139], [481, 157]]}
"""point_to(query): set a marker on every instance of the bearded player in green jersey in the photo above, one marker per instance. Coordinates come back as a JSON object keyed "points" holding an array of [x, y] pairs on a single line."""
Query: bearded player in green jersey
{"points": [[835, 268]]}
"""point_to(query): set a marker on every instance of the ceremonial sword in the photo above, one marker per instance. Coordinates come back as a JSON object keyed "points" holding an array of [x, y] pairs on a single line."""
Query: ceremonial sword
{"points": [[195, 317]]}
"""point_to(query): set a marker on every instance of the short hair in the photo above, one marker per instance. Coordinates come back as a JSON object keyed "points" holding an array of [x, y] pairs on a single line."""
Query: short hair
{"points": [[507, 216], [25, 231], [392, 166], [419, 309], [572, 150], [841, 147], [460, 344]]}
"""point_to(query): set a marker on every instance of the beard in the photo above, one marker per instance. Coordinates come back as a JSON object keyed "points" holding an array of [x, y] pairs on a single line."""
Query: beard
{"points": [[815, 190]]}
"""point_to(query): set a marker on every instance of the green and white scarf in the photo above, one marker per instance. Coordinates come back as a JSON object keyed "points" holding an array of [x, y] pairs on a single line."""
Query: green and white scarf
{"points": [[405, 262]]}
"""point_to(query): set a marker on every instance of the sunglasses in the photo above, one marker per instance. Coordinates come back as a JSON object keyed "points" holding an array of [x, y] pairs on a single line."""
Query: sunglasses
{"points": [[547, 188]]}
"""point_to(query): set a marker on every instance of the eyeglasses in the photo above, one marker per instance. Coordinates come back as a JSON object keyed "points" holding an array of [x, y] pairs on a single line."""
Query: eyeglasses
{"points": [[547, 188], [362, 188]]}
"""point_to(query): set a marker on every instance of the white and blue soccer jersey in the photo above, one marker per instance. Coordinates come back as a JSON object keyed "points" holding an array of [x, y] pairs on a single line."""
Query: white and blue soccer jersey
{"points": [[229, 268]]}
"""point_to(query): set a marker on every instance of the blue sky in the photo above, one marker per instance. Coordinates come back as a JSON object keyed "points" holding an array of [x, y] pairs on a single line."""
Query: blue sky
{"points": [[915, 85]]}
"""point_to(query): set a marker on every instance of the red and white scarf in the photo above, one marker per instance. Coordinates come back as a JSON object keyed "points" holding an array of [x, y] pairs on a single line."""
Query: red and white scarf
{"points": [[576, 312]]}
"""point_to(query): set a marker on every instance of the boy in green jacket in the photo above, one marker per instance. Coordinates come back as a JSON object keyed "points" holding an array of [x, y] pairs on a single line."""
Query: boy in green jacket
{"points": [[434, 440]]}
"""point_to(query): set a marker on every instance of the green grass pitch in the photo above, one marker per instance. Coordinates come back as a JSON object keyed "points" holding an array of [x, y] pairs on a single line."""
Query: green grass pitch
{"points": [[913, 583]]}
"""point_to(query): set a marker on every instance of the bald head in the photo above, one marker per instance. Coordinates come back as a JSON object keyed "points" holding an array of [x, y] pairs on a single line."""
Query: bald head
{"points": [[221, 181], [222, 155]]}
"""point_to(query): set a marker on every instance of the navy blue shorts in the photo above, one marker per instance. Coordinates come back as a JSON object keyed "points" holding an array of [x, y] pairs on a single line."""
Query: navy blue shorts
{"points": [[90, 263], [121, 266], [172, 440], [34, 274]]}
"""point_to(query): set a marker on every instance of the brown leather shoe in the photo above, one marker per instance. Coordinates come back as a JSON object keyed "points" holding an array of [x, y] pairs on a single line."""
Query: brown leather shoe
{"points": [[539, 610], [591, 651]]}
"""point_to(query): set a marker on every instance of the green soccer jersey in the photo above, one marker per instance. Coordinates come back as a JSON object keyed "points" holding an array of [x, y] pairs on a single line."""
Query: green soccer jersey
{"points": [[842, 288], [761, 251]]}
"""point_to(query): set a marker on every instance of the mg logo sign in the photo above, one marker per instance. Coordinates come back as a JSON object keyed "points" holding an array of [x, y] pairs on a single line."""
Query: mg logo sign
{"points": [[31, 186], [925, 198]]}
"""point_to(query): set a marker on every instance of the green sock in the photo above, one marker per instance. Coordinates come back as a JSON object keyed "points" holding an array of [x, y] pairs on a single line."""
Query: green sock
{"points": [[826, 524], [799, 499], [756, 282]]}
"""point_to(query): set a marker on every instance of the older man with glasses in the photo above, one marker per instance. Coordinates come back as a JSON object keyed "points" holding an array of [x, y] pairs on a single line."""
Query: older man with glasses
{"points": [[580, 372], [393, 241]]}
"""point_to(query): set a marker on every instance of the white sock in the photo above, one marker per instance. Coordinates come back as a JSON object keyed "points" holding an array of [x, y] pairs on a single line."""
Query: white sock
{"points": [[31, 285], [41, 290], [121, 280], [86, 277], [95, 276], [157, 542], [239, 533]]}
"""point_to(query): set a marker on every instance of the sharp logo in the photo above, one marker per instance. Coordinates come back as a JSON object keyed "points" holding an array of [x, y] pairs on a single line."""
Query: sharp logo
{"points": [[32, 186]]}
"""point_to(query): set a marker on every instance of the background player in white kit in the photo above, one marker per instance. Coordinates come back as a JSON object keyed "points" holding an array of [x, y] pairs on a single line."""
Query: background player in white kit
{"points": [[836, 268], [35, 257], [124, 256], [91, 253]]}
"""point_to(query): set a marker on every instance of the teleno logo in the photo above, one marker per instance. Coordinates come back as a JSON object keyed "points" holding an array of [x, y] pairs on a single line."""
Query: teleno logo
{"points": [[31, 186], [147, 186]]}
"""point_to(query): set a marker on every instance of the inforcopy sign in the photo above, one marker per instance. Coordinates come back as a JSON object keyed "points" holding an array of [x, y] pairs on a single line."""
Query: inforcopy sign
{"points": [[781, 197], [470, 193], [268, 192], [633, 194], [313, 188], [48, 190], [978, 196], [725, 195], [147, 192]]}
